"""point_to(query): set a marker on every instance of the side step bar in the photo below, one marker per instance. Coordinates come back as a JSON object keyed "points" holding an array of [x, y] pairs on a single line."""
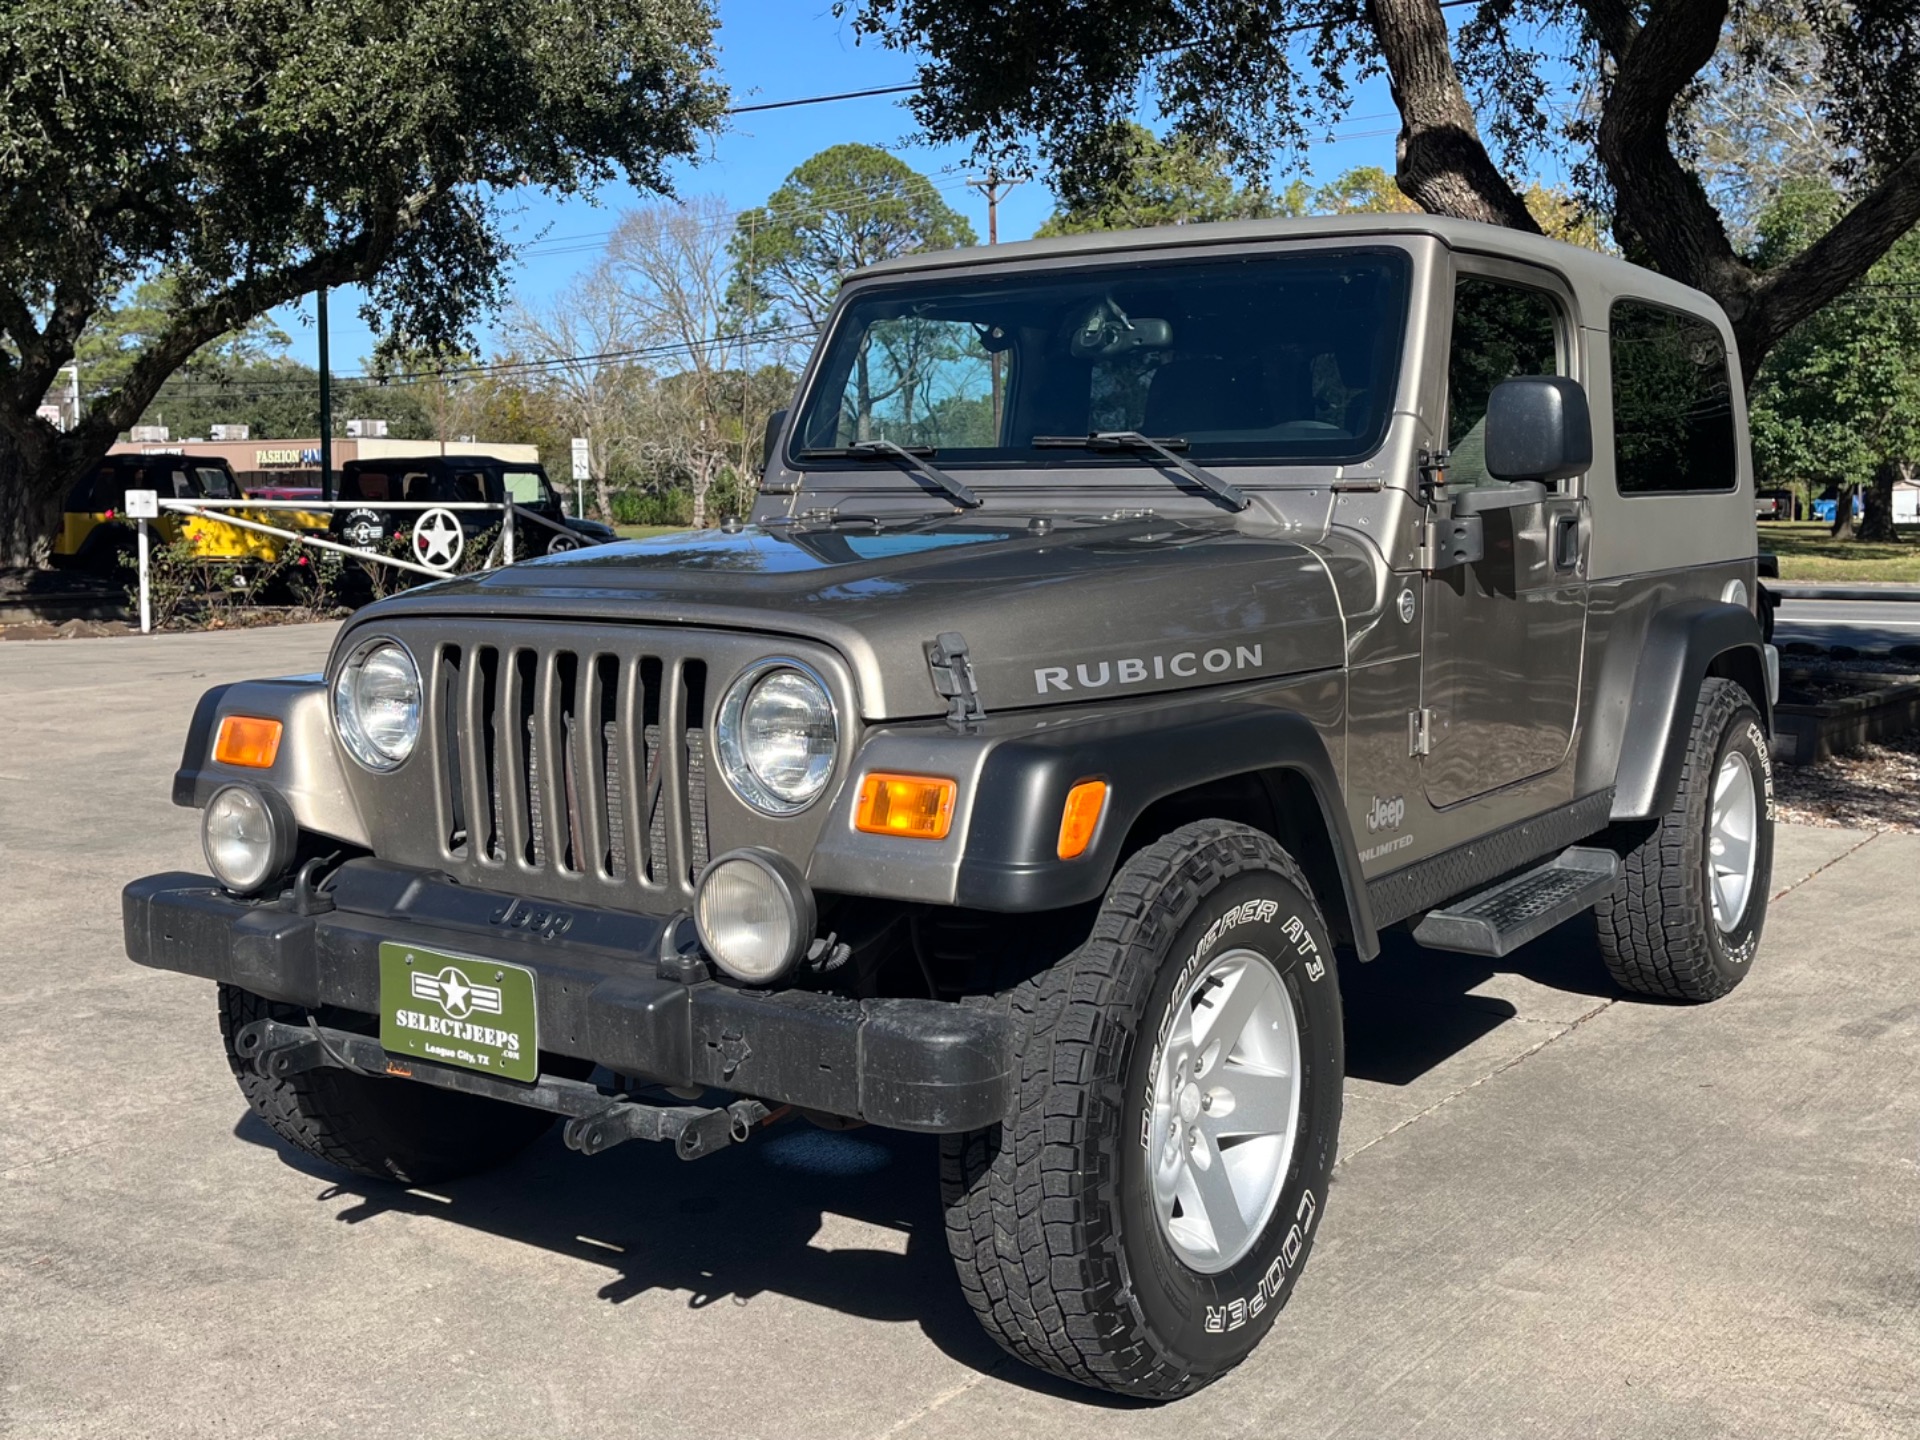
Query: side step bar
{"points": [[1523, 908]]}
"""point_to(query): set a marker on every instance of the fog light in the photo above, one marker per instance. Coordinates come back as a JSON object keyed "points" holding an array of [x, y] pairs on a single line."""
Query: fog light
{"points": [[755, 913], [248, 836]]}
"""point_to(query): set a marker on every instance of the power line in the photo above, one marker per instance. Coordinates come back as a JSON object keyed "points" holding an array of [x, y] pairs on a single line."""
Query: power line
{"points": [[820, 99], [372, 380]]}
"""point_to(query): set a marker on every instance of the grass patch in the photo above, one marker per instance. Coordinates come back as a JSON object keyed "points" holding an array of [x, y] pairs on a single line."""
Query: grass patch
{"points": [[646, 532], [1808, 552]]}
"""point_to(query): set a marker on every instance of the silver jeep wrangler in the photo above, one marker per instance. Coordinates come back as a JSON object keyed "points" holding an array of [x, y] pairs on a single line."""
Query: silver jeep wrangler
{"points": [[1129, 628]]}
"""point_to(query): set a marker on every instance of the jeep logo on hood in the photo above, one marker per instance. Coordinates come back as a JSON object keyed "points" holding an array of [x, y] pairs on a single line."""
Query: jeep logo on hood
{"points": [[1137, 671]]}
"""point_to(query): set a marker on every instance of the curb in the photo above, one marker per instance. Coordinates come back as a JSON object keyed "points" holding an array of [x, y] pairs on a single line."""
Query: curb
{"points": [[1804, 591], [53, 609]]}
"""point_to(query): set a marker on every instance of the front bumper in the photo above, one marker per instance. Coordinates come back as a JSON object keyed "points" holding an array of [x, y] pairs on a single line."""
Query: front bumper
{"points": [[913, 1064]]}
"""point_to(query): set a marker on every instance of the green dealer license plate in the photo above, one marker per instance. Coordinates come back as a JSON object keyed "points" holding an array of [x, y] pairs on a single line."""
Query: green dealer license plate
{"points": [[459, 1010]]}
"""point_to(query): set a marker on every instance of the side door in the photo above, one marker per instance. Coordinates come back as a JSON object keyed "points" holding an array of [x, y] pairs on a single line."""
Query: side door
{"points": [[1503, 637]]}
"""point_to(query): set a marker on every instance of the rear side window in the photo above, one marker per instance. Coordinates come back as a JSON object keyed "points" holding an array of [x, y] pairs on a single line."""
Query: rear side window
{"points": [[366, 485], [1672, 403]]}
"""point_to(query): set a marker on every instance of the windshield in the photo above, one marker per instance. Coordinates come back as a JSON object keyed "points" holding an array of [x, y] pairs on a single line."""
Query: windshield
{"points": [[1275, 357], [215, 483]]}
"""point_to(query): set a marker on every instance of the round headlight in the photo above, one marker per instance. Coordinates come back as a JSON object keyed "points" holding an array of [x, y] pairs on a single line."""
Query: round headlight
{"points": [[376, 704], [776, 737], [755, 913], [248, 836]]}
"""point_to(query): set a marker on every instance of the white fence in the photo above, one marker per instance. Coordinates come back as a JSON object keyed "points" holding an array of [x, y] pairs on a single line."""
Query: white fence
{"points": [[438, 540]]}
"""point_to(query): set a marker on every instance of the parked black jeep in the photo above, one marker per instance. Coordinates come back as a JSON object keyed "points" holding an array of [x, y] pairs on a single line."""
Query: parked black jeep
{"points": [[439, 537]]}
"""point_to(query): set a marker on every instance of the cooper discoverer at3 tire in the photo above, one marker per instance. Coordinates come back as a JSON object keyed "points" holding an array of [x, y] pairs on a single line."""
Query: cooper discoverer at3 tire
{"points": [[1684, 921], [1143, 1214]]}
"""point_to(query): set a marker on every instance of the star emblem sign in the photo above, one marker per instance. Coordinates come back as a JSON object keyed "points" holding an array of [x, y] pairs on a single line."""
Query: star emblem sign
{"points": [[456, 995], [438, 539]]}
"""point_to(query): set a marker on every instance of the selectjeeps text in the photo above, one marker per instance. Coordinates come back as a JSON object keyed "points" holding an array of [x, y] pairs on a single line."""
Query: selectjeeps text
{"points": [[1129, 627]]}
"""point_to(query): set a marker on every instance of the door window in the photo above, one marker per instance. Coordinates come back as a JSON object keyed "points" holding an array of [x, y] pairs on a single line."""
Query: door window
{"points": [[1500, 331]]}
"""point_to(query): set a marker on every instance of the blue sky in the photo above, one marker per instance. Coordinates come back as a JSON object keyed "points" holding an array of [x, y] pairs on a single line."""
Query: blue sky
{"points": [[779, 50]]}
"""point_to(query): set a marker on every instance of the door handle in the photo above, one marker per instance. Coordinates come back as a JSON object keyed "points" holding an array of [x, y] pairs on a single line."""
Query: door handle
{"points": [[1566, 542]]}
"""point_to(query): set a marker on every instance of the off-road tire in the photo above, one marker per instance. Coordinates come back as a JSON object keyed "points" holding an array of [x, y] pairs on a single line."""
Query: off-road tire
{"points": [[1656, 928], [387, 1129], [1049, 1215]]}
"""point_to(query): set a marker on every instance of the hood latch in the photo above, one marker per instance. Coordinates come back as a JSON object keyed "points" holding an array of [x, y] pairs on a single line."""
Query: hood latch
{"points": [[952, 672]]}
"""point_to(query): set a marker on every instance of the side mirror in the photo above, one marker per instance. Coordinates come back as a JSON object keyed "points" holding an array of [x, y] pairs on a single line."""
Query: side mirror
{"points": [[1538, 428], [776, 422]]}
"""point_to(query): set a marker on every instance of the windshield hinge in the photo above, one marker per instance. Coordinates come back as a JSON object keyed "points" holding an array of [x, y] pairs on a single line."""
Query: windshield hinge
{"points": [[952, 672]]}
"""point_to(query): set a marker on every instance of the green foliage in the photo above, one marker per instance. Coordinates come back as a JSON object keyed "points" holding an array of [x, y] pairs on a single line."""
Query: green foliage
{"points": [[1363, 190], [848, 206], [1150, 181], [1839, 397], [254, 152]]}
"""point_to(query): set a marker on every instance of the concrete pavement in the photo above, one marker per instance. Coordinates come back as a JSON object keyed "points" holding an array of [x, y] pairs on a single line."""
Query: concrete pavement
{"points": [[1558, 1212]]}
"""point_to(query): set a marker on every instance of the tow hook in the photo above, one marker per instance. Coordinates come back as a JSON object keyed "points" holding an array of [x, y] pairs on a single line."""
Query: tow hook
{"points": [[596, 1120], [693, 1132]]}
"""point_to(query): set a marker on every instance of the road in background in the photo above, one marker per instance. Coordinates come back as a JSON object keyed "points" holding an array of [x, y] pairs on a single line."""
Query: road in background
{"points": [[1557, 1212], [1863, 624]]}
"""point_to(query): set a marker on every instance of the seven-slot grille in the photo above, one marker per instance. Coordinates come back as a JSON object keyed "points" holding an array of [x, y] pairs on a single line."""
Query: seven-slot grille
{"points": [[583, 764]]}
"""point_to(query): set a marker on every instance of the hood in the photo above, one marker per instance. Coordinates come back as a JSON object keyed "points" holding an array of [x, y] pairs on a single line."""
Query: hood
{"points": [[1052, 610]]}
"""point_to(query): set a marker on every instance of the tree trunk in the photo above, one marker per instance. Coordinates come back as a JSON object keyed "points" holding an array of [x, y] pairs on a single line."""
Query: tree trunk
{"points": [[1843, 513], [1441, 161], [1877, 523], [29, 509]]}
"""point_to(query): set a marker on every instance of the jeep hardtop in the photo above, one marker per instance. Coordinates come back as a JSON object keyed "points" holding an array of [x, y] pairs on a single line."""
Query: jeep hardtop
{"points": [[1130, 627]]}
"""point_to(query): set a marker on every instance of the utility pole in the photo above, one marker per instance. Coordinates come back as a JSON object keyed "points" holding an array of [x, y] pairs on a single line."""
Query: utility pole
{"points": [[326, 405], [994, 186], [746, 357]]}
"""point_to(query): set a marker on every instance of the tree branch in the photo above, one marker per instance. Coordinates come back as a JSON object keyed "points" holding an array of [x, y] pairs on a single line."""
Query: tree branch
{"points": [[1443, 163], [1614, 22], [1661, 212], [1785, 296], [354, 263]]}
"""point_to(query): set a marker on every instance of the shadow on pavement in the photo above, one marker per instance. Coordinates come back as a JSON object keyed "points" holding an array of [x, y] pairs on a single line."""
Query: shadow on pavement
{"points": [[1411, 1009], [726, 1229], [743, 1223]]}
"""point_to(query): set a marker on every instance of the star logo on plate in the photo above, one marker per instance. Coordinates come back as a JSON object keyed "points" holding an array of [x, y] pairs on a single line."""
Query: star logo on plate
{"points": [[454, 993]]}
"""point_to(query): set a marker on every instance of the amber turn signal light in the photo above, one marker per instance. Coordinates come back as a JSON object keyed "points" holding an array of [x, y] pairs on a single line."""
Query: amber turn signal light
{"points": [[914, 807], [1081, 817], [247, 741]]}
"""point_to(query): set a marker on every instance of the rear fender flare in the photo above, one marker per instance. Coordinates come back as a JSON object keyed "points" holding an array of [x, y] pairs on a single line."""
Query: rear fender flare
{"points": [[1684, 644]]}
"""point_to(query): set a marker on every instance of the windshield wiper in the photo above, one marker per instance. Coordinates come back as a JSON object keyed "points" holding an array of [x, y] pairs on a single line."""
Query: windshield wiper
{"points": [[1162, 449], [910, 456]]}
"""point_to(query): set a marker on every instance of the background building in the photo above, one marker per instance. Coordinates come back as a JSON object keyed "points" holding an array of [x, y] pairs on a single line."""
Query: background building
{"points": [[259, 463]]}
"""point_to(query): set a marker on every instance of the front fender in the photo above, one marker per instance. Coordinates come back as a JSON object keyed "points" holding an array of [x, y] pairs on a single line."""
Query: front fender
{"points": [[1015, 771], [306, 769]]}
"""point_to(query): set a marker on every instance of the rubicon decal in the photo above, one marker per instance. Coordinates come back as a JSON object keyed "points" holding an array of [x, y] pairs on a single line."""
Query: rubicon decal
{"points": [[1139, 670]]}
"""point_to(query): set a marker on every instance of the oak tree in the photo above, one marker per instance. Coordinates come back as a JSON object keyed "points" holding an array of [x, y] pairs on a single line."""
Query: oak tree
{"points": [[1610, 82], [254, 153]]}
